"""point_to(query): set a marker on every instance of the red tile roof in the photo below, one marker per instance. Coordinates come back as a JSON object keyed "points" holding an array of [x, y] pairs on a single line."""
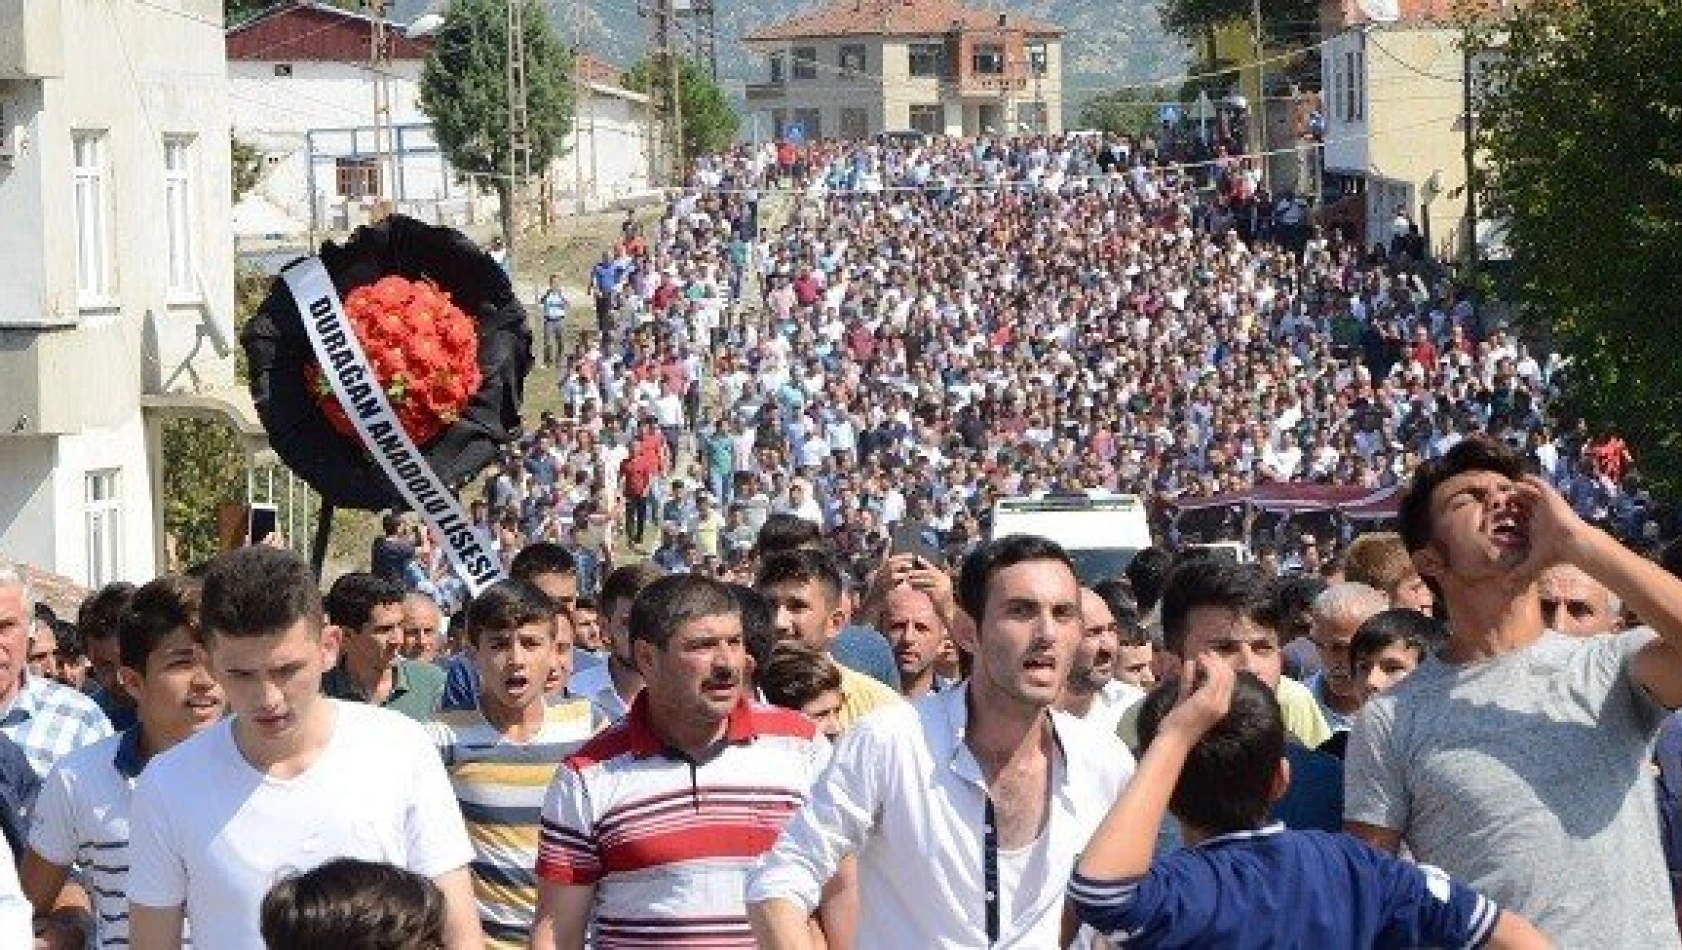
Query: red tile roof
{"points": [[1340, 14], [896, 18], [599, 71]]}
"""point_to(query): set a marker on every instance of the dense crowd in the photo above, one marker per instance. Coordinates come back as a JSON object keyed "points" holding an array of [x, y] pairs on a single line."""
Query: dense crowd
{"points": [[711, 706], [931, 327]]}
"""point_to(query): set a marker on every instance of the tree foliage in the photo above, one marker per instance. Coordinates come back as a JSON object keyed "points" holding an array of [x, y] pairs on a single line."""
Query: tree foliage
{"points": [[203, 467], [246, 166], [708, 121], [1583, 129], [1129, 111], [1285, 21], [464, 90]]}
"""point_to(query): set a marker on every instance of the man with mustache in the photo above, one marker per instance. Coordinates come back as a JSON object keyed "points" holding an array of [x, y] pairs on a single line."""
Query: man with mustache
{"points": [[652, 826]]}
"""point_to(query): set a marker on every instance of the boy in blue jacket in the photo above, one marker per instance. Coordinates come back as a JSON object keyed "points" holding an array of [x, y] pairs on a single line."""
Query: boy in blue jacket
{"points": [[1215, 757]]}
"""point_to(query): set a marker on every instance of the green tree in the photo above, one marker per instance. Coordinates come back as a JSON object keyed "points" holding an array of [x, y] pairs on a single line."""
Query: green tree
{"points": [[1133, 110], [708, 121], [1582, 127], [1285, 21], [464, 89], [246, 166], [203, 468]]}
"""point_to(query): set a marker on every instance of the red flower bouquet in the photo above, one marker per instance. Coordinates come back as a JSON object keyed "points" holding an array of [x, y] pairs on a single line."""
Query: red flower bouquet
{"points": [[424, 350]]}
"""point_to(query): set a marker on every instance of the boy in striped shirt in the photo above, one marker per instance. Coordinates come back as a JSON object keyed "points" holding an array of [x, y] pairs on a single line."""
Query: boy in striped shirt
{"points": [[82, 814], [502, 754]]}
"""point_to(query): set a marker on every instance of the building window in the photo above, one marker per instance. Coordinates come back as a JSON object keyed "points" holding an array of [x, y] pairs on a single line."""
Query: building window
{"points": [[178, 216], [779, 123], [1030, 117], [855, 122], [928, 59], [928, 119], [810, 122], [853, 59], [805, 62], [102, 510], [1360, 86], [357, 177], [988, 59], [777, 68], [283, 70], [1349, 88], [1039, 58], [93, 229]]}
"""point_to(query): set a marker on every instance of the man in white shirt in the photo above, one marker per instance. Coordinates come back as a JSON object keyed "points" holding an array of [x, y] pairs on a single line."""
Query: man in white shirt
{"points": [[290, 781], [914, 789]]}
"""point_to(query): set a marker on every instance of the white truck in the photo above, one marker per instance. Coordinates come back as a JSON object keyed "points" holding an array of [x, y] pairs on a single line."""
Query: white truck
{"points": [[1101, 531]]}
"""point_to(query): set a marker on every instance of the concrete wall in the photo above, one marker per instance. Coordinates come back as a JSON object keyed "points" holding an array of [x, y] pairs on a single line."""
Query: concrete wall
{"points": [[75, 368], [1409, 124], [607, 153]]}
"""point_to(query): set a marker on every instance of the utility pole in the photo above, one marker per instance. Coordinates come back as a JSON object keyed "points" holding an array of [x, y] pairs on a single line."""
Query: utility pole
{"points": [[674, 98], [1469, 146], [1258, 109], [379, 69], [519, 134]]}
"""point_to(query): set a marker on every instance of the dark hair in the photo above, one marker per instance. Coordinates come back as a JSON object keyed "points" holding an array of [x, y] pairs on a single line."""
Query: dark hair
{"points": [[1293, 595], [98, 616], [786, 532], [1671, 558], [801, 566], [1130, 632], [1213, 582], [1475, 453], [352, 598], [390, 522], [544, 557], [1396, 625], [759, 624], [166, 604], [986, 561], [257, 591], [508, 605], [69, 639], [1146, 573], [796, 675], [675, 600], [1227, 782], [625, 582], [585, 603], [354, 905]]}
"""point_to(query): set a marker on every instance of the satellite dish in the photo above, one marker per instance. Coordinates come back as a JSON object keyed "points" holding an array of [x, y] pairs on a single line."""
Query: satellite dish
{"points": [[1381, 11]]}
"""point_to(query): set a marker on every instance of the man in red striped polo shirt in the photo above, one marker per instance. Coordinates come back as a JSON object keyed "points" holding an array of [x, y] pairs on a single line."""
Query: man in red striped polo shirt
{"points": [[649, 829]]}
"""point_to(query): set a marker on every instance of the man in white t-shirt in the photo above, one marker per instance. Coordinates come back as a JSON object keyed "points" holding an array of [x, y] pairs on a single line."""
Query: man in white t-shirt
{"points": [[291, 780]]}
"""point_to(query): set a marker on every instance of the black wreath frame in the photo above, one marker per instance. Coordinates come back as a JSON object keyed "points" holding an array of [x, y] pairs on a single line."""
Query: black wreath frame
{"points": [[277, 349]]}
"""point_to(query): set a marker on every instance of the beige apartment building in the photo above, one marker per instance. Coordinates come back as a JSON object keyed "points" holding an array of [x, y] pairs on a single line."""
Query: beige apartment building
{"points": [[852, 69]]}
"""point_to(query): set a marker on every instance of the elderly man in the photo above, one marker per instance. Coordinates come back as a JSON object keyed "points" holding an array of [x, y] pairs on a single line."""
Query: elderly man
{"points": [[1576, 604], [1336, 614], [423, 628], [47, 720]]}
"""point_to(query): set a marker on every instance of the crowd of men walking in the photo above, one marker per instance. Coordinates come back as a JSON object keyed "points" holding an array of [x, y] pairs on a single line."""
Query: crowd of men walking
{"points": [[780, 730]]}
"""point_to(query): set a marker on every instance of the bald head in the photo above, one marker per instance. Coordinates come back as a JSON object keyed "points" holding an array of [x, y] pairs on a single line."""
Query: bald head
{"points": [[1576, 604], [423, 627], [914, 629]]}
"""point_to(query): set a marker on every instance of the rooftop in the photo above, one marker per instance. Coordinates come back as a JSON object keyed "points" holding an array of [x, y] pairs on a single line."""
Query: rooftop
{"points": [[898, 18]]}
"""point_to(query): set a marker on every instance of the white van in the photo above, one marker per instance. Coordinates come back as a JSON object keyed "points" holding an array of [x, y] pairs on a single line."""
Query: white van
{"points": [[1101, 531]]}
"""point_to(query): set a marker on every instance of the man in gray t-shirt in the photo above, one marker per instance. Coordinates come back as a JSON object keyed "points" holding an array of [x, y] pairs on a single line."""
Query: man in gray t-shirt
{"points": [[1516, 758], [1525, 776]]}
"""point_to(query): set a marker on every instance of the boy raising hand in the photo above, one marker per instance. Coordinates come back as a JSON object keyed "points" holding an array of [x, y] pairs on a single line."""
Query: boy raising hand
{"points": [[1215, 757]]}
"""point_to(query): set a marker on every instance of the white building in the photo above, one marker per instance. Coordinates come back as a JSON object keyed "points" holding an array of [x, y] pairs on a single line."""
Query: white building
{"points": [[303, 94], [116, 306]]}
